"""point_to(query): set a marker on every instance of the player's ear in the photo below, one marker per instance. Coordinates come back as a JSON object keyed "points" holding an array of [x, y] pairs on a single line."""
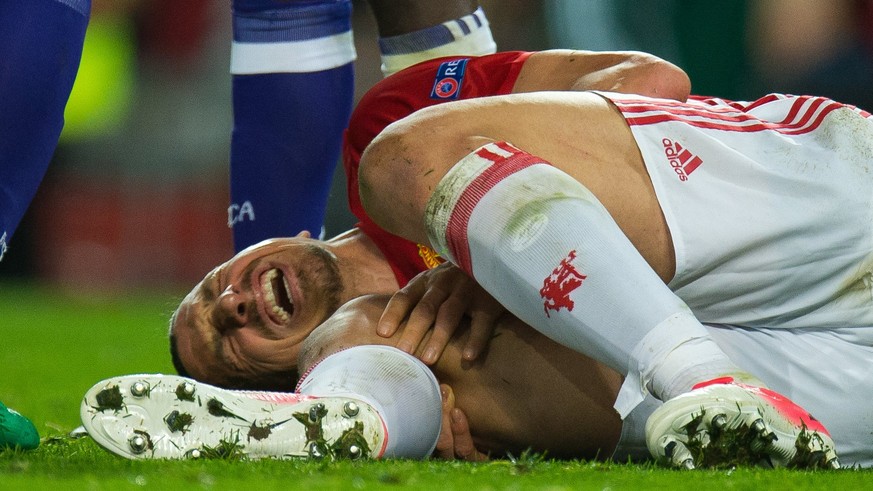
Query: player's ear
{"points": [[306, 234]]}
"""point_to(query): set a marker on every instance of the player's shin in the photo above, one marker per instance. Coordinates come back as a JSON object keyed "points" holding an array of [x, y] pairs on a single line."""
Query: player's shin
{"points": [[547, 249]]}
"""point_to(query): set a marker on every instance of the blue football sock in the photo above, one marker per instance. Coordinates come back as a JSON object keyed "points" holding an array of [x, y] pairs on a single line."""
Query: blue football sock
{"points": [[293, 88], [40, 49]]}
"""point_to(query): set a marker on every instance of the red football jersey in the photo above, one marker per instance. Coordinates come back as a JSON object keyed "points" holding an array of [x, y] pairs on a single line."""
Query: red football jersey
{"points": [[419, 86]]}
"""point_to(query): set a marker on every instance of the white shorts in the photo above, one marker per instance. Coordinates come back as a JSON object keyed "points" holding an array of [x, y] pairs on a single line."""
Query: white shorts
{"points": [[769, 205], [822, 371]]}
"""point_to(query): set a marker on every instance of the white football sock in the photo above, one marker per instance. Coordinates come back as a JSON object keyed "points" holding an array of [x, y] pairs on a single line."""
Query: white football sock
{"points": [[401, 388], [291, 38], [545, 247], [469, 35]]}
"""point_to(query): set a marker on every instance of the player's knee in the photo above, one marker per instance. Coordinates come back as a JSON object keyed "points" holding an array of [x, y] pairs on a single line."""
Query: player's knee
{"points": [[405, 163], [375, 175], [390, 181]]}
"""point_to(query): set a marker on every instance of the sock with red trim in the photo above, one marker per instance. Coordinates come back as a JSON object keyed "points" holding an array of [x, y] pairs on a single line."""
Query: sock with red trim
{"points": [[545, 247]]}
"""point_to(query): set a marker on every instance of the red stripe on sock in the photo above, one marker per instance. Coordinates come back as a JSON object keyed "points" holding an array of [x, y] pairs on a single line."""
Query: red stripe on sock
{"points": [[503, 167], [489, 155], [506, 147]]}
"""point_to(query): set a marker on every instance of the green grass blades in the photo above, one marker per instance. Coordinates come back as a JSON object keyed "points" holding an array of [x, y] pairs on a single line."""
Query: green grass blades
{"points": [[56, 345]]}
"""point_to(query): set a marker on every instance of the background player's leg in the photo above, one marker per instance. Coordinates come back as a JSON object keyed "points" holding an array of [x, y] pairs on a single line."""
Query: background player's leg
{"points": [[293, 86], [40, 49], [293, 83], [412, 31]]}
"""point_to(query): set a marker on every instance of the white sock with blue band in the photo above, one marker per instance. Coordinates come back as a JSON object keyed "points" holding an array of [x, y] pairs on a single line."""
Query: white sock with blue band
{"points": [[293, 88], [469, 35]]}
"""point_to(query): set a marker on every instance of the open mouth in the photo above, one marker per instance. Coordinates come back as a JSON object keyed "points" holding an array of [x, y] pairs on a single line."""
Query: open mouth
{"points": [[277, 295]]}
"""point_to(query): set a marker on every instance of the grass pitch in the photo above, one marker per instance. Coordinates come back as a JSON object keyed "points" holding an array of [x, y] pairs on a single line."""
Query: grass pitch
{"points": [[54, 345]]}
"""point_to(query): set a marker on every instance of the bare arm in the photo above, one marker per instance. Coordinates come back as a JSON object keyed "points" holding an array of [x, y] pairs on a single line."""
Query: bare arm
{"points": [[630, 72]]}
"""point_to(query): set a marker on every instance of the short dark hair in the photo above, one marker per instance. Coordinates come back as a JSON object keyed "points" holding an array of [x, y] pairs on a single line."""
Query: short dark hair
{"points": [[174, 349], [276, 381], [174, 355]]}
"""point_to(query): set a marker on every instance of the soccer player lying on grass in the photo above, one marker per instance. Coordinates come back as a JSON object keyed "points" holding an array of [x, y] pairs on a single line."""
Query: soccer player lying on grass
{"points": [[658, 192], [575, 210]]}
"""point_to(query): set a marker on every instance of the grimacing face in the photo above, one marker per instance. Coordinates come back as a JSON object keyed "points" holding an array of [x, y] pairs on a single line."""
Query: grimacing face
{"points": [[243, 324]]}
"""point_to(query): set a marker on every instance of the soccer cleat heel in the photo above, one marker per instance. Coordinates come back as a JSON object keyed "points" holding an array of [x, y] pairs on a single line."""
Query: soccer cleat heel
{"points": [[724, 424], [170, 417]]}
